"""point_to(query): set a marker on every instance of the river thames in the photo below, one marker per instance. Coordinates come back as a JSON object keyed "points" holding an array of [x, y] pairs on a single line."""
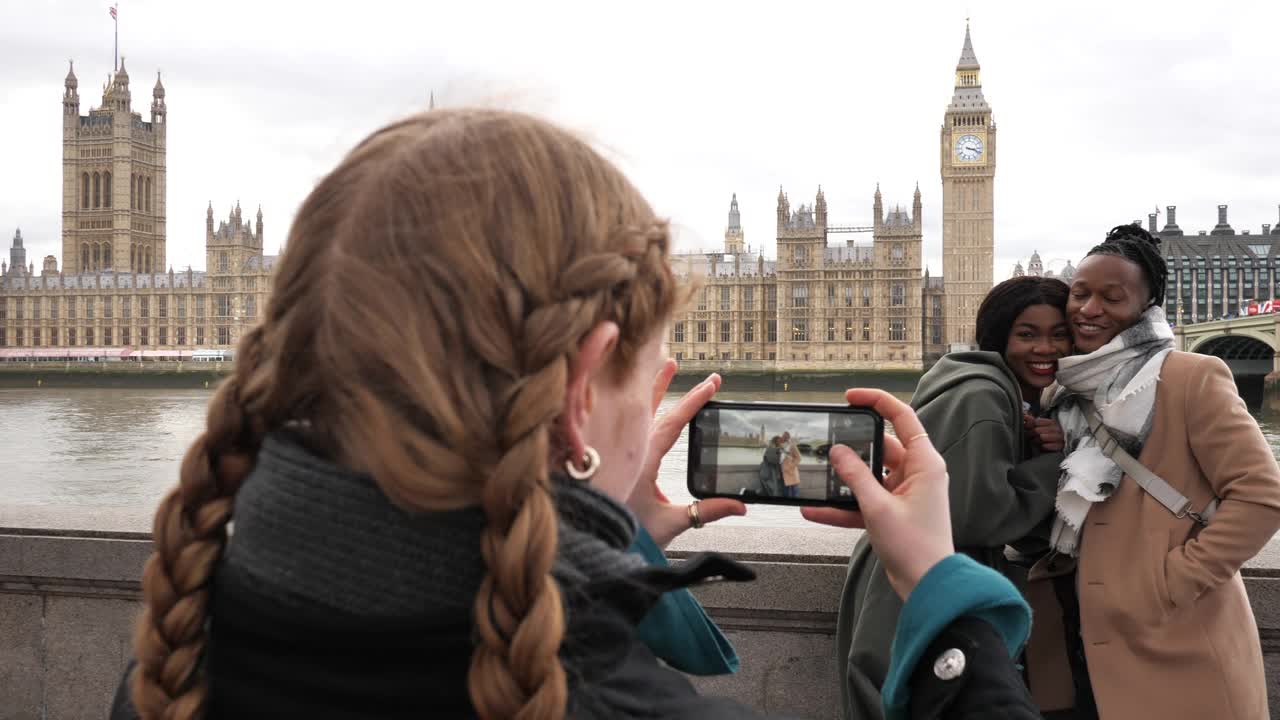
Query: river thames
{"points": [[121, 447]]}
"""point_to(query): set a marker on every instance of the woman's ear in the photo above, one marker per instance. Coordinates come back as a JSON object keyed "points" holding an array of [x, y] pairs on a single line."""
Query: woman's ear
{"points": [[592, 358]]}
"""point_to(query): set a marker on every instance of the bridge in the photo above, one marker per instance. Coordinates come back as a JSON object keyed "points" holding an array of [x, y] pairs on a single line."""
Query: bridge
{"points": [[1250, 346]]}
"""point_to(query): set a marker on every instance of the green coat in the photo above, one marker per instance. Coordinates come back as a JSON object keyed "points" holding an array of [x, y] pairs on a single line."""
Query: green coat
{"points": [[971, 407]]}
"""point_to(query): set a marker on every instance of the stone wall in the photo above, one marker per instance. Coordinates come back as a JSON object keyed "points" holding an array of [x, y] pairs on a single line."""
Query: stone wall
{"points": [[69, 598]]}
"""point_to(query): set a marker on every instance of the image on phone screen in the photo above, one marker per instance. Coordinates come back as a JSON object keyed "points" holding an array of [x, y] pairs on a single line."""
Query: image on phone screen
{"points": [[777, 454]]}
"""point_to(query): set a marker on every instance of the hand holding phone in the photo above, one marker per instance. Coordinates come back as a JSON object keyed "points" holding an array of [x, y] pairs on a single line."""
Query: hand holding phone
{"points": [[779, 453]]}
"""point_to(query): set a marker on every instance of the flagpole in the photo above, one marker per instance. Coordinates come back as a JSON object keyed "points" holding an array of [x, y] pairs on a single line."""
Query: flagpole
{"points": [[116, 21]]}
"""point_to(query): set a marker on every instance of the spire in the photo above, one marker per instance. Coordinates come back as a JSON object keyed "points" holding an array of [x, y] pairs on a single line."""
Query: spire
{"points": [[158, 91], [735, 218], [260, 210], [968, 60], [72, 83], [122, 75], [210, 211], [17, 238]]}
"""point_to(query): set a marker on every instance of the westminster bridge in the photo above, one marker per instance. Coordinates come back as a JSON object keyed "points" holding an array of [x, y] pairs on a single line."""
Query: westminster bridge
{"points": [[1248, 345]]}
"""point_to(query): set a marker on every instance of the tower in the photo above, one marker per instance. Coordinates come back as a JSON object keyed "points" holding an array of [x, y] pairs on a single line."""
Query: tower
{"points": [[229, 248], [113, 180], [968, 154], [733, 240]]}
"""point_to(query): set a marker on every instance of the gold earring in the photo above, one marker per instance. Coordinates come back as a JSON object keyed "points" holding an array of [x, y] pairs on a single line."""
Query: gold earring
{"points": [[592, 460]]}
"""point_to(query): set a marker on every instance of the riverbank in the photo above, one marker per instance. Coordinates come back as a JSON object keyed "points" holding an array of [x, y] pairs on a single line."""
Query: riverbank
{"points": [[207, 374]]}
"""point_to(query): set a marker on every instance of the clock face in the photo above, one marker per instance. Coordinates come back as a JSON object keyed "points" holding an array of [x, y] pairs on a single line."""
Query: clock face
{"points": [[969, 147]]}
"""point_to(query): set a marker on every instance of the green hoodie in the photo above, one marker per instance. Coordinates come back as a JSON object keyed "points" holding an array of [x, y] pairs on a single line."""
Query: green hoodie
{"points": [[971, 406]]}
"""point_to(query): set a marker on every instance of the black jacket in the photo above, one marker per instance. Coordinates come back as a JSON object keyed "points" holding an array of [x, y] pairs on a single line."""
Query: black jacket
{"points": [[332, 604]]}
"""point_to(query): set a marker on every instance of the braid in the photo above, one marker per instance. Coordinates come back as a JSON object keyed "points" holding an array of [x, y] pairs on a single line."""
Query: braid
{"points": [[189, 534], [1135, 244], [1006, 301]]}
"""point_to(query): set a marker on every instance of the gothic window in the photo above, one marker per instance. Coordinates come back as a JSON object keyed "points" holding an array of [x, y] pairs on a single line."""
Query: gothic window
{"points": [[88, 336], [831, 330], [148, 195], [725, 298], [133, 258], [772, 336], [164, 335], [800, 330], [148, 268], [181, 303], [725, 333], [800, 254], [97, 190], [848, 331], [748, 331], [133, 192], [848, 296], [144, 306], [106, 256], [896, 252], [126, 307], [53, 308], [106, 189], [897, 330], [180, 336], [200, 307], [897, 295], [108, 306], [702, 331], [84, 257], [831, 295], [866, 296], [97, 251], [71, 337], [800, 295], [771, 297], [748, 298], [702, 296], [84, 191], [224, 336], [677, 334], [222, 305], [162, 309], [143, 335], [22, 308], [200, 335], [106, 336], [866, 330], [71, 308]]}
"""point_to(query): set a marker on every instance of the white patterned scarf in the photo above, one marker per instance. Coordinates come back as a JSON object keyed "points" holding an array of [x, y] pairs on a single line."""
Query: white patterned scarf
{"points": [[1120, 377]]}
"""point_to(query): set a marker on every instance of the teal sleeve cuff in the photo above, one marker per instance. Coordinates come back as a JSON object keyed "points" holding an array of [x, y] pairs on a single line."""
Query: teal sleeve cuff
{"points": [[678, 629], [955, 587]]}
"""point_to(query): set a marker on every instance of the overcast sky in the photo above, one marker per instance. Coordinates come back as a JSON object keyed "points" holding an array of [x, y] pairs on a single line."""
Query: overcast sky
{"points": [[1104, 109]]}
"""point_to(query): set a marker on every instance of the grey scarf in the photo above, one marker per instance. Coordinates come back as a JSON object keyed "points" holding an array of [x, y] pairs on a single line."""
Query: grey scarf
{"points": [[1120, 378]]}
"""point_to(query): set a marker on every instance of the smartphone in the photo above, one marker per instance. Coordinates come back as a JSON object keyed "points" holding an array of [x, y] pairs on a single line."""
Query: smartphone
{"points": [[776, 453]]}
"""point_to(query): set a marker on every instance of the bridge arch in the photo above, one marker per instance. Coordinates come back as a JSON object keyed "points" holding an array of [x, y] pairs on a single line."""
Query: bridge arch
{"points": [[1239, 344]]}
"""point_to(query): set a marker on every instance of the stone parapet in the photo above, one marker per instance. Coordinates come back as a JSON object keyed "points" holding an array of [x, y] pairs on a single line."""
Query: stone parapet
{"points": [[69, 595]]}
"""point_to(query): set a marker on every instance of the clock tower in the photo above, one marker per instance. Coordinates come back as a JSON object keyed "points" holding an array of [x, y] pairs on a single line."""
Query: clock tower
{"points": [[968, 147]]}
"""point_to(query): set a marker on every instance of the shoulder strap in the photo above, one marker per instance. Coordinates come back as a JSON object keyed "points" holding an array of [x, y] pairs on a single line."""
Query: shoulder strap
{"points": [[1156, 487]]}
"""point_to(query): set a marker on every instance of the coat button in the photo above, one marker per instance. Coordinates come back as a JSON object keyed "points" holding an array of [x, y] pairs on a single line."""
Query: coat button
{"points": [[949, 665]]}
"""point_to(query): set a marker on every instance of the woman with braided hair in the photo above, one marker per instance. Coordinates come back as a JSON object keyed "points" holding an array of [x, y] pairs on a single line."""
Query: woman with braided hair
{"points": [[437, 447], [1167, 489]]}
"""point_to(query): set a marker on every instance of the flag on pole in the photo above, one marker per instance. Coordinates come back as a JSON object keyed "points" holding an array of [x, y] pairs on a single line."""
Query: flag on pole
{"points": [[112, 10]]}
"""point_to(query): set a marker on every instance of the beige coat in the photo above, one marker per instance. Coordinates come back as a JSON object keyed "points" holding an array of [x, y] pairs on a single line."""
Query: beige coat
{"points": [[791, 465], [1168, 631]]}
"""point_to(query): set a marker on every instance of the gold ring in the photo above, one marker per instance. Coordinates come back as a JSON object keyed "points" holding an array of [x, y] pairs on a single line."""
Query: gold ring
{"points": [[695, 520], [915, 437]]}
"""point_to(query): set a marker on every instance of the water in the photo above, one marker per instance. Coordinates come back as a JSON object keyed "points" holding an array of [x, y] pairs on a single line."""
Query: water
{"points": [[121, 447]]}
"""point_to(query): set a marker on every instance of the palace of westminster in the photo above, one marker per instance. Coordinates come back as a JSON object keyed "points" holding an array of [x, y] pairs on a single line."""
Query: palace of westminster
{"points": [[817, 305]]}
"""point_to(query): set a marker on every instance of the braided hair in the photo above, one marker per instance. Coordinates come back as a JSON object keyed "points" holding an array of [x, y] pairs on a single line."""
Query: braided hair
{"points": [[1006, 301], [421, 329], [1135, 244]]}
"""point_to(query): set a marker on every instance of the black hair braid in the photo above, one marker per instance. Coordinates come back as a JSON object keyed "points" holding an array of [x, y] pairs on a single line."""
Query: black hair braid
{"points": [[1006, 301], [1135, 244]]}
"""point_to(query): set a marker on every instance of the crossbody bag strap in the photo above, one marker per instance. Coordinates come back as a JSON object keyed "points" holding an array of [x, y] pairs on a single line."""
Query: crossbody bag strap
{"points": [[1153, 484]]}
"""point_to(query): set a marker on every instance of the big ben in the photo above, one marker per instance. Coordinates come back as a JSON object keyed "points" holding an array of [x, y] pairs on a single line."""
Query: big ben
{"points": [[968, 148]]}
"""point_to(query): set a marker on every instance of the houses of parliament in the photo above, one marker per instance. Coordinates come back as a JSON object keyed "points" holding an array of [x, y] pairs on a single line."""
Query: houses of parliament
{"points": [[820, 305], [816, 305], [113, 291]]}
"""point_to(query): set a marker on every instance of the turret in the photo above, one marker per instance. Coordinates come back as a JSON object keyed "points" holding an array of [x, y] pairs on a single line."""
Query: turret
{"points": [[877, 209], [917, 210], [208, 223], [733, 232], [258, 226], [71, 96], [820, 209], [784, 209], [157, 102], [117, 96]]}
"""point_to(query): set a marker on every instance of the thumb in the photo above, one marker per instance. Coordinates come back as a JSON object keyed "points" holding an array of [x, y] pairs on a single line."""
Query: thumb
{"points": [[855, 473]]}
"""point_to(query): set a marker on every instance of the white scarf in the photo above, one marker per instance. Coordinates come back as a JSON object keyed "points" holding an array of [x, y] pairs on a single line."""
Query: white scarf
{"points": [[1120, 377]]}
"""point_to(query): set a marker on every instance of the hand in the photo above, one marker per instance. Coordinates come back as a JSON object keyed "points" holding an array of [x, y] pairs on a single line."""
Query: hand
{"points": [[909, 519], [656, 513], [1048, 434]]}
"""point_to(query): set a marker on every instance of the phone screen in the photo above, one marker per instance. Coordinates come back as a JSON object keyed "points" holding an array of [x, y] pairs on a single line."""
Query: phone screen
{"points": [[778, 453]]}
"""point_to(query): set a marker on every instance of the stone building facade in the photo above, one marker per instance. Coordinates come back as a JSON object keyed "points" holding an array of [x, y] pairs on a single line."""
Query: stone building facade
{"points": [[1215, 273], [113, 293], [817, 305]]}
